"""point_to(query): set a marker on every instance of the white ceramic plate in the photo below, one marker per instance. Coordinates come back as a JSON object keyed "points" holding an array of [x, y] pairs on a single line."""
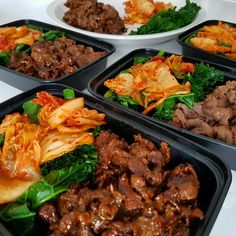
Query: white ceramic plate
{"points": [[56, 10]]}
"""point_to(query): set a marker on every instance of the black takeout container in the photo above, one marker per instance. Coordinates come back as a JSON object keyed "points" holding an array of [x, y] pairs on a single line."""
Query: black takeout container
{"points": [[214, 175], [190, 50], [97, 88], [78, 79]]}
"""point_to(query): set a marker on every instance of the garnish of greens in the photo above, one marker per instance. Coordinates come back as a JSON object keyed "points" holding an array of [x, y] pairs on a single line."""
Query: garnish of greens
{"points": [[51, 35], [169, 20], [203, 80], [58, 175], [32, 110], [125, 101], [165, 112], [2, 138], [4, 58], [68, 94]]}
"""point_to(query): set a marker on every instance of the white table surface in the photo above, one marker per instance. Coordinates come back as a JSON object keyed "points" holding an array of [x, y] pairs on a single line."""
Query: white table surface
{"points": [[11, 10]]}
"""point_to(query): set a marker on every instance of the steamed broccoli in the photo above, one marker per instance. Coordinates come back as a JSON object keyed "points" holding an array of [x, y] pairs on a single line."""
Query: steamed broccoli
{"points": [[165, 111], [78, 156], [203, 80]]}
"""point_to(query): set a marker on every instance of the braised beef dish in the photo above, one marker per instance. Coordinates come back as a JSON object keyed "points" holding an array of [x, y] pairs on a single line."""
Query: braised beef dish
{"points": [[52, 59], [94, 16], [133, 193], [214, 117]]}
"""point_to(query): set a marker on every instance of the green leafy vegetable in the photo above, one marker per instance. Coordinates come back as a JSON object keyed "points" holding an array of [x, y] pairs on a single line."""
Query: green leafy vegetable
{"points": [[140, 60], [2, 138], [52, 35], [39, 193], [35, 27], [32, 109], [22, 47], [76, 173], [95, 131], [203, 80], [126, 101], [76, 156], [124, 71], [161, 52], [68, 94], [187, 99], [169, 20], [5, 58], [59, 180], [165, 111], [110, 95], [18, 214], [224, 44], [59, 174]]}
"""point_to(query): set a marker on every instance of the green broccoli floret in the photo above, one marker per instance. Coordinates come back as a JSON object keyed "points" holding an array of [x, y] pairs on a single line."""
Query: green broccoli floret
{"points": [[203, 80], [165, 111], [86, 152]]}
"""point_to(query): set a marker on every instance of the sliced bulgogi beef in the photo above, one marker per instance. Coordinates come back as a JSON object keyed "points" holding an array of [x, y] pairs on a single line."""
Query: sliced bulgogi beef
{"points": [[124, 201], [49, 60], [48, 213], [214, 117], [184, 179], [94, 16]]}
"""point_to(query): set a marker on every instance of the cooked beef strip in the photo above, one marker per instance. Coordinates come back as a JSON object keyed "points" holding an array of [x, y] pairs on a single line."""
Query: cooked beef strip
{"points": [[94, 16], [48, 213], [214, 117], [146, 226], [126, 202], [184, 179], [138, 183], [132, 201]]}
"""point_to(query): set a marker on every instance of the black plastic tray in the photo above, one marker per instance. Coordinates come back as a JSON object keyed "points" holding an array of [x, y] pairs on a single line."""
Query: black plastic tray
{"points": [[213, 173], [78, 79], [190, 50], [96, 87]]}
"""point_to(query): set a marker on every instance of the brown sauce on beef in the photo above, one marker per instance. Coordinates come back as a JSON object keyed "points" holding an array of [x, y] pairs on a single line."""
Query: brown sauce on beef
{"points": [[133, 194], [50, 60]]}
